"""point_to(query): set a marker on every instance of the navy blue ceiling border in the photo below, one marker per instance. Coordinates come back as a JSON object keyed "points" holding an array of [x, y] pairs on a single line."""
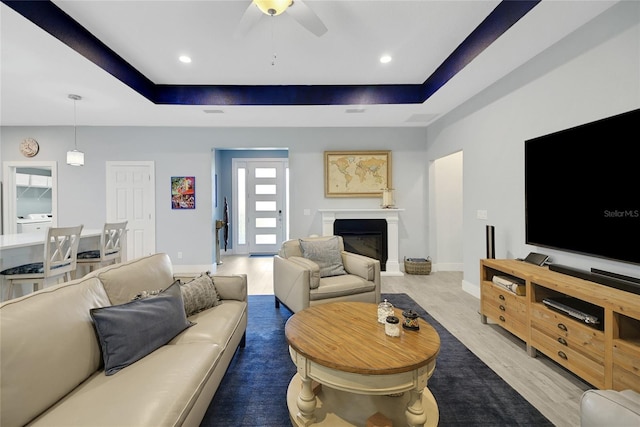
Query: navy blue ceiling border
{"points": [[56, 22], [503, 17], [53, 20]]}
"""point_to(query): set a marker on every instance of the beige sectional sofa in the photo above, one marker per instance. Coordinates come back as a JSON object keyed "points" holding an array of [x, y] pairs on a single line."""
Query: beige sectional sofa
{"points": [[51, 363]]}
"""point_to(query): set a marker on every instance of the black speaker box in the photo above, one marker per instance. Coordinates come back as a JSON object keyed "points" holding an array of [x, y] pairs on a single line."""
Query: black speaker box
{"points": [[491, 236]]}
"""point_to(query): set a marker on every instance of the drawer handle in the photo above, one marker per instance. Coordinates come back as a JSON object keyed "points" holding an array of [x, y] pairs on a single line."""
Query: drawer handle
{"points": [[502, 318], [562, 326], [562, 341], [502, 308], [501, 297], [562, 355]]}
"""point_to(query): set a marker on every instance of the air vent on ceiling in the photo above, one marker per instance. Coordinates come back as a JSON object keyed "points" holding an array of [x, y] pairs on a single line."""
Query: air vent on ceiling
{"points": [[213, 111], [354, 110]]}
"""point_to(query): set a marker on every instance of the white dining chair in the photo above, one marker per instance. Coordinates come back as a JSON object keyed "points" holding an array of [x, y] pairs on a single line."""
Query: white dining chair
{"points": [[59, 261], [111, 247]]}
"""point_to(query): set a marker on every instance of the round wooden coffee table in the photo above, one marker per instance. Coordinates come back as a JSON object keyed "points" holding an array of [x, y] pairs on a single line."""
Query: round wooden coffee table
{"points": [[359, 369]]}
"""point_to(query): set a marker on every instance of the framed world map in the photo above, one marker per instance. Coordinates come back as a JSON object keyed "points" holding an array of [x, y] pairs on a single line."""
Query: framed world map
{"points": [[356, 173]]}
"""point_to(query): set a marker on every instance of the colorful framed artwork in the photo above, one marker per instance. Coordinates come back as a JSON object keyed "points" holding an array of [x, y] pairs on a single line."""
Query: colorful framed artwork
{"points": [[183, 192], [356, 173]]}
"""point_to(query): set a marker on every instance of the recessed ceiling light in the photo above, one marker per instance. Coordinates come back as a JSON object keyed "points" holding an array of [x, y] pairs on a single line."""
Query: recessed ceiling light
{"points": [[185, 59], [385, 59]]}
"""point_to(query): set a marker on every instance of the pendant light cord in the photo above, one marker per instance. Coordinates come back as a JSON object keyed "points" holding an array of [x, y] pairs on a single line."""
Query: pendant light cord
{"points": [[75, 126], [75, 119]]}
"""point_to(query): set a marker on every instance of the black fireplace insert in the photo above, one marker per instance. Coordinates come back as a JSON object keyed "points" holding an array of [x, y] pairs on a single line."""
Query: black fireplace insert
{"points": [[366, 237]]}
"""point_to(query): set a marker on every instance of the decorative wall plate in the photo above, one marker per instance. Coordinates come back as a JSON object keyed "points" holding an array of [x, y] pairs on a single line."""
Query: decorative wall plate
{"points": [[29, 147]]}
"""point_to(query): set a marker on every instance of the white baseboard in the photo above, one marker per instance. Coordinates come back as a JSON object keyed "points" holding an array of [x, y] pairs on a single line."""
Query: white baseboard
{"points": [[471, 288], [448, 266]]}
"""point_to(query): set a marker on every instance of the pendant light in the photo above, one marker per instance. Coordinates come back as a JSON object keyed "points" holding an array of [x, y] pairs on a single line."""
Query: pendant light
{"points": [[75, 157]]}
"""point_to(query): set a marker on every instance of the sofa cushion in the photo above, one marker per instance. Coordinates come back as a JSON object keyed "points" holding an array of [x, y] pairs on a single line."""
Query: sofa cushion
{"points": [[48, 346], [159, 390], [125, 280], [339, 286], [326, 253], [130, 331], [199, 294], [216, 325]]}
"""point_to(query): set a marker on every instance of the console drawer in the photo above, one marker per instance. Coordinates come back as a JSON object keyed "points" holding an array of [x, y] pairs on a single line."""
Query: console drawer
{"points": [[505, 308], [510, 322], [583, 366], [568, 332], [504, 300]]}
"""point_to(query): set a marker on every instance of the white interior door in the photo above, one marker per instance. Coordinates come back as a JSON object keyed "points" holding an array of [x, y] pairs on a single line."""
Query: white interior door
{"points": [[131, 197]]}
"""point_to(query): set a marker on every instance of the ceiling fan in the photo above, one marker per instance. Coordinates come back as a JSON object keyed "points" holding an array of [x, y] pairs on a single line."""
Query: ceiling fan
{"points": [[296, 8]]}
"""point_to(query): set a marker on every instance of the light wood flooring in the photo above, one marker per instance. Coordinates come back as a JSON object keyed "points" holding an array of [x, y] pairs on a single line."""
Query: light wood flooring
{"points": [[550, 388]]}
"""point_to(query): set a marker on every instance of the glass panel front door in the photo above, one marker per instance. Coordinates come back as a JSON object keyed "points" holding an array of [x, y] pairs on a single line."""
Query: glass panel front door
{"points": [[265, 205]]}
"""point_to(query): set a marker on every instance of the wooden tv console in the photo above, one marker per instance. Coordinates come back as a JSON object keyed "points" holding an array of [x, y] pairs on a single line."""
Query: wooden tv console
{"points": [[607, 358]]}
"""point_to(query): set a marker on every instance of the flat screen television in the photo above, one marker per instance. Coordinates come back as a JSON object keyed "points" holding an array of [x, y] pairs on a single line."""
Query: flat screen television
{"points": [[582, 189]]}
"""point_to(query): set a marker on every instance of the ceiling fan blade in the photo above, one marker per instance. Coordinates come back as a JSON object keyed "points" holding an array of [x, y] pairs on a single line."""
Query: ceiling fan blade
{"points": [[249, 19], [306, 17]]}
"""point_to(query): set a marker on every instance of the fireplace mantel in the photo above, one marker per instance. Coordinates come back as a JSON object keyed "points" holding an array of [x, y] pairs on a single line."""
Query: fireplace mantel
{"points": [[391, 215]]}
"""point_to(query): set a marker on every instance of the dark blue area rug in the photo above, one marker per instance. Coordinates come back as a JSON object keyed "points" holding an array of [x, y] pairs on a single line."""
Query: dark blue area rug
{"points": [[253, 391]]}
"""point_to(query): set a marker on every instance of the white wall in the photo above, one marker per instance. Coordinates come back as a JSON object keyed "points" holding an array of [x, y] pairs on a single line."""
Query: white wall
{"points": [[187, 151], [592, 74]]}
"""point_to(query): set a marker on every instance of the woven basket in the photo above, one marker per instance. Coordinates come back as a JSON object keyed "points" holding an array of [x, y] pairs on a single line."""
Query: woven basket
{"points": [[417, 265]]}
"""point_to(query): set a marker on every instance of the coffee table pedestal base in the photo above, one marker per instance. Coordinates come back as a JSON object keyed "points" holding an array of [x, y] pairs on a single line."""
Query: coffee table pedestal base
{"points": [[340, 408]]}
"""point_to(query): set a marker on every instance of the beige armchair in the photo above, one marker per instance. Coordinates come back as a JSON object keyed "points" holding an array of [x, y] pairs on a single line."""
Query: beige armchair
{"points": [[317, 270]]}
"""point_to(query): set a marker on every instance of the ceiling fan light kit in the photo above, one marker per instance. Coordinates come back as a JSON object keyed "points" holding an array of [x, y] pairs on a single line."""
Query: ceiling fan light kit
{"points": [[297, 9], [273, 7]]}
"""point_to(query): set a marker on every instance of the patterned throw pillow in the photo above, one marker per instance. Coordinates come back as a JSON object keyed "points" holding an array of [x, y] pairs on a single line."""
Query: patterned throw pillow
{"points": [[147, 294], [325, 253], [199, 294]]}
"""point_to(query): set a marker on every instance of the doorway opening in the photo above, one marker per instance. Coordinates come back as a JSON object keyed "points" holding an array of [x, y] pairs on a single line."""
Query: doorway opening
{"points": [[260, 205], [446, 208], [29, 187]]}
